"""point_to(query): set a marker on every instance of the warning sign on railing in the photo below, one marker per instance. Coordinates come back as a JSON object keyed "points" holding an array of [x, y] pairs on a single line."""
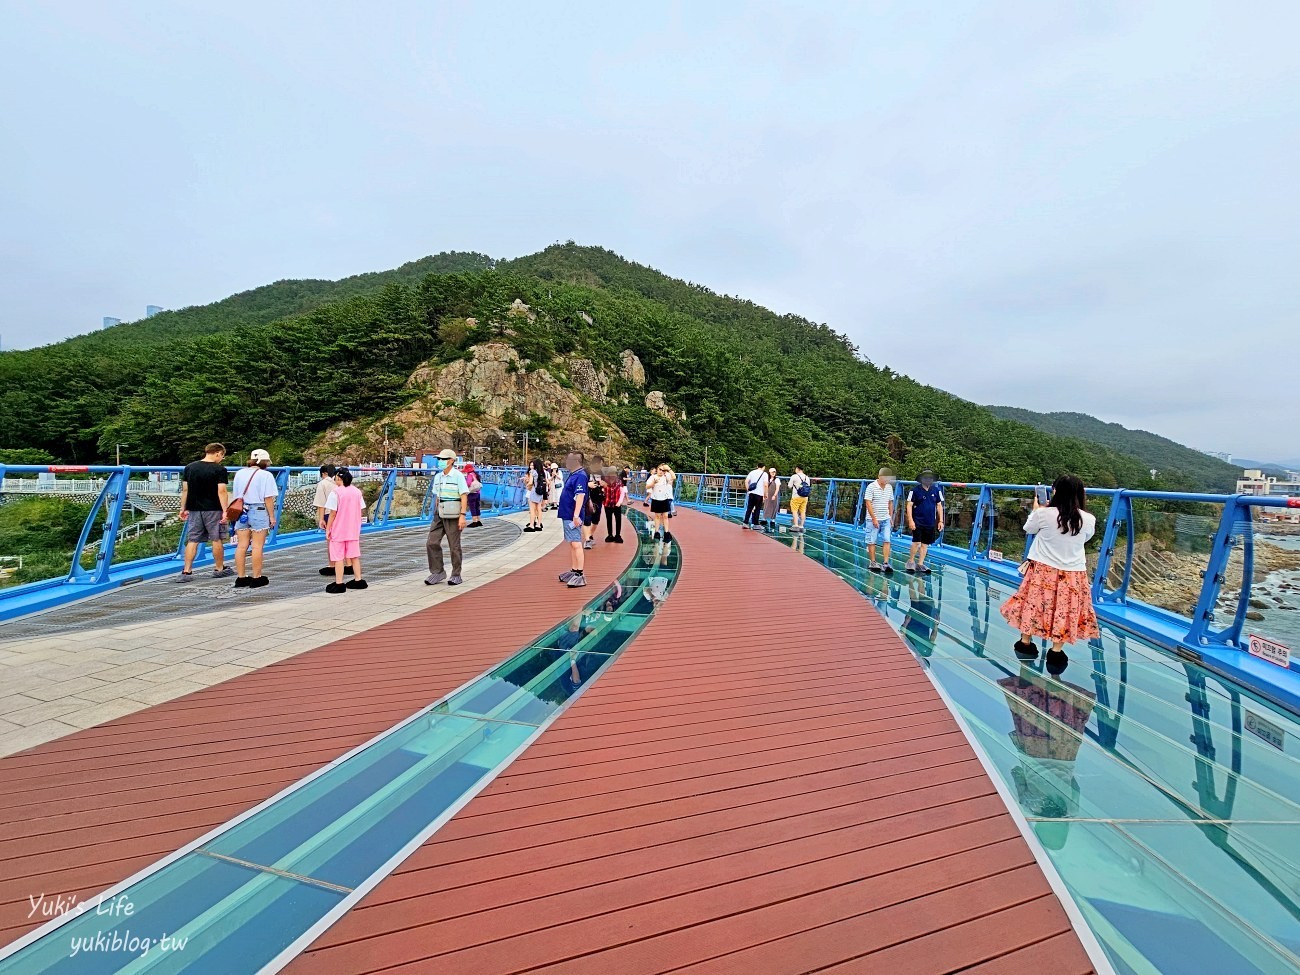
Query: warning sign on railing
{"points": [[1264, 729], [995, 555], [1274, 653]]}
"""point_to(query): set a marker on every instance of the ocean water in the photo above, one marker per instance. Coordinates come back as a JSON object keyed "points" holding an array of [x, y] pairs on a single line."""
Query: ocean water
{"points": [[1280, 624]]}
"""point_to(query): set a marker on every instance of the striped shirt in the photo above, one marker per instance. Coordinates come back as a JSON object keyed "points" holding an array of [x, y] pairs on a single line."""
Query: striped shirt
{"points": [[879, 498]]}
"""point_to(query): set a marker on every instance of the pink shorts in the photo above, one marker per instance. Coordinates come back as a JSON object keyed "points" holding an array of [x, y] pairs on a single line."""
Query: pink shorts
{"points": [[341, 551]]}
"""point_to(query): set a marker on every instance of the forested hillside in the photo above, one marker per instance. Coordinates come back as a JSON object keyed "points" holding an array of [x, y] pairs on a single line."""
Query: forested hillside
{"points": [[1205, 473], [755, 386]]}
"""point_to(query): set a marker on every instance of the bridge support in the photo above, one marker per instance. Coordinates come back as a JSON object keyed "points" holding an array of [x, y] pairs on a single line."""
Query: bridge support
{"points": [[111, 500], [1236, 525]]}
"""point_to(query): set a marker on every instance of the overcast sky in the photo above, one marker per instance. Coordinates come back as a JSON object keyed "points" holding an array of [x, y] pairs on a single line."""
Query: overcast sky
{"points": [[1082, 206]]}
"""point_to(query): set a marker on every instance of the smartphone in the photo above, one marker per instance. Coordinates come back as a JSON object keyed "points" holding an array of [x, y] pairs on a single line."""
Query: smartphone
{"points": [[1040, 493]]}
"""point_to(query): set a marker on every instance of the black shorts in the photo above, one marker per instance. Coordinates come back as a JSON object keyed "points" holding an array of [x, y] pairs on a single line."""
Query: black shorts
{"points": [[590, 517], [925, 534], [660, 507]]}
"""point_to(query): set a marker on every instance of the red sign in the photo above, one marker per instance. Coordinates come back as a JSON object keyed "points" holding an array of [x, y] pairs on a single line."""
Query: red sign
{"points": [[68, 469], [1293, 502]]}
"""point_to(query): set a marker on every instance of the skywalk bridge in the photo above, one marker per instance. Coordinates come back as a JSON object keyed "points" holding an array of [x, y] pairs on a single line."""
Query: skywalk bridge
{"points": [[731, 753]]}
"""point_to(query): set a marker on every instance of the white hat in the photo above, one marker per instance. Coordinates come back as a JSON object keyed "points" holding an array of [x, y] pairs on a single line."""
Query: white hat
{"points": [[259, 455], [447, 454]]}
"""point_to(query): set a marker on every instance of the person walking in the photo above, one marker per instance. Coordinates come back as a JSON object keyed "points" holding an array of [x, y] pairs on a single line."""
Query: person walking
{"points": [[451, 501], [800, 485], [256, 491], [924, 520], [771, 500], [475, 495], [614, 495], [880, 513], [324, 491], [1054, 600], [344, 508], [571, 501], [537, 485], [557, 485], [659, 489], [755, 486], [595, 501], [203, 509]]}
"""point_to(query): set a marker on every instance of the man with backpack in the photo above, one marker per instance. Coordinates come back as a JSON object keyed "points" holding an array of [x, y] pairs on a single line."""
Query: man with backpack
{"points": [[800, 485], [755, 485]]}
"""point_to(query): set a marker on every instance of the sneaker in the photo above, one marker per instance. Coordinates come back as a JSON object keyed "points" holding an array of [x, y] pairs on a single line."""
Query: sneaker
{"points": [[618, 539], [336, 587], [327, 571], [224, 573], [668, 536], [184, 577], [589, 543], [876, 567], [925, 570], [475, 524], [744, 526], [577, 581], [889, 569], [356, 584], [259, 582], [435, 578], [609, 538], [566, 576], [455, 581], [529, 528], [910, 569], [347, 570], [243, 582]]}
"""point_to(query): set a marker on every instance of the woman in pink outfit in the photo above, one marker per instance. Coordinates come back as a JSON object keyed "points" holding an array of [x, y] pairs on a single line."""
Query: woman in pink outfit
{"points": [[343, 531]]}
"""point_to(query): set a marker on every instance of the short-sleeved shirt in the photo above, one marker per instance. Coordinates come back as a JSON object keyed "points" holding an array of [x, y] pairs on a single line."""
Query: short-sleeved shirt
{"points": [[449, 485], [758, 478], [662, 489], [254, 485], [203, 479], [324, 489], [574, 486], [347, 504], [925, 504], [879, 498]]}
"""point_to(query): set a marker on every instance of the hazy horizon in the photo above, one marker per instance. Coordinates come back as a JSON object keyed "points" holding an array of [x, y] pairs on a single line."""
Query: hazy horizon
{"points": [[1083, 209]]}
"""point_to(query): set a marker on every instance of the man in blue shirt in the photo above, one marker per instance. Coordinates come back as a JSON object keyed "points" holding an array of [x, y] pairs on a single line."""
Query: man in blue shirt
{"points": [[573, 500], [924, 520]]}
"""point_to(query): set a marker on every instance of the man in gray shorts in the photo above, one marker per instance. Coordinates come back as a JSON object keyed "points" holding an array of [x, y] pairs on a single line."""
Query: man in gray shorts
{"points": [[203, 508]]}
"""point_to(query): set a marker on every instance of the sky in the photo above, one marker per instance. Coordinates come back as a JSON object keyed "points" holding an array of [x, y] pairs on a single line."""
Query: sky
{"points": [[1088, 206]]}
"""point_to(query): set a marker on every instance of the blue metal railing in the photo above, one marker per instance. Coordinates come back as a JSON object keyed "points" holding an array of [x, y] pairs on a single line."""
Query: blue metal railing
{"points": [[838, 503], [113, 487]]}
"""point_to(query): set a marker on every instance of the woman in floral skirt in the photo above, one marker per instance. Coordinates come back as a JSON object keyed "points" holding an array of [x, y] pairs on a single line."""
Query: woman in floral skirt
{"points": [[1054, 600]]}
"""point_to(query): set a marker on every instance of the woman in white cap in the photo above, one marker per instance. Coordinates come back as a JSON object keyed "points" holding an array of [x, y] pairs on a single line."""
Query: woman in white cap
{"points": [[256, 491]]}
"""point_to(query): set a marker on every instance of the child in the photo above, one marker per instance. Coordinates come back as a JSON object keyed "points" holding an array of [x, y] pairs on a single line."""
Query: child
{"points": [[343, 531]]}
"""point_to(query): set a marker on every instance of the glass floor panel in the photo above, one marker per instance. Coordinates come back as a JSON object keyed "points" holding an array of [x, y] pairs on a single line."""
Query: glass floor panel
{"points": [[1167, 797]]}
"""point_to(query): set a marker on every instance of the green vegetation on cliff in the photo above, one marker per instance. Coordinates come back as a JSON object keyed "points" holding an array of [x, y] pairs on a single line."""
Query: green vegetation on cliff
{"points": [[754, 385]]}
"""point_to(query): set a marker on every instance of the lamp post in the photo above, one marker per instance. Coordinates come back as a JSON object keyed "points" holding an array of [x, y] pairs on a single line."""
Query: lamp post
{"points": [[706, 458], [118, 447]]}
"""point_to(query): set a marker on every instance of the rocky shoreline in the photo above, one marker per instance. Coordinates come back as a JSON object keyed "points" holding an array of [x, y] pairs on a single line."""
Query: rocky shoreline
{"points": [[1172, 580]]}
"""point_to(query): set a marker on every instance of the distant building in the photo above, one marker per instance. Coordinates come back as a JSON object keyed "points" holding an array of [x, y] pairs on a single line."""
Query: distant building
{"points": [[110, 322], [151, 310], [1256, 482]]}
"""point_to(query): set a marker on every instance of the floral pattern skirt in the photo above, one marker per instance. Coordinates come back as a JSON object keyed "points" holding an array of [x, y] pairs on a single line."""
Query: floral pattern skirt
{"points": [[1053, 604]]}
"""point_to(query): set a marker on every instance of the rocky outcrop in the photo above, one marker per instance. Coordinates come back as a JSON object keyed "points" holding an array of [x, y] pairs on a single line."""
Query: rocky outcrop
{"points": [[465, 403], [654, 400], [587, 379], [519, 310], [632, 370]]}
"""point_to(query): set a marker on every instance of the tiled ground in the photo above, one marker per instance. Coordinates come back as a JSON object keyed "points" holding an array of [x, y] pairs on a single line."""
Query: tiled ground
{"points": [[52, 685]]}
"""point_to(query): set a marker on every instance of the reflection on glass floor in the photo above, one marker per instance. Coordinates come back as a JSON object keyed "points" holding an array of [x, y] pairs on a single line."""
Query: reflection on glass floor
{"points": [[1167, 797]]}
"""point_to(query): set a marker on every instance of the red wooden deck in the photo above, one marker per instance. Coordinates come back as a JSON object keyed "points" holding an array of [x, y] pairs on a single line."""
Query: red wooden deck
{"points": [[86, 811], [764, 783]]}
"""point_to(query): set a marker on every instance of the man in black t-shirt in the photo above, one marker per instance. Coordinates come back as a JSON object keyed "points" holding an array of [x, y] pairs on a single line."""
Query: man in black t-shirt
{"points": [[204, 500]]}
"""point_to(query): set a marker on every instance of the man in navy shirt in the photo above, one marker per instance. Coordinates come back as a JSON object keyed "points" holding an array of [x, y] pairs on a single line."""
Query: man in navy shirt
{"points": [[924, 520], [573, 500]]}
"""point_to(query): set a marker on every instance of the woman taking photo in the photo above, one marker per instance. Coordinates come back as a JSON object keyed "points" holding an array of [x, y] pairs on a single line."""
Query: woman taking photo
{"points": [[771, 500], [536, 488], [659, 491], [1054, 600]]}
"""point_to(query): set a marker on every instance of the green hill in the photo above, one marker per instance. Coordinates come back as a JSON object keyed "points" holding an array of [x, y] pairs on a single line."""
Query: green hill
{"points": [[1203, 473], [754, 386]]}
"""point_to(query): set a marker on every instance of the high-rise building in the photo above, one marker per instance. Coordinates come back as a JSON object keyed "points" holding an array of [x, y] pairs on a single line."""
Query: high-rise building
{"points": [[110, 322], [151, 310]]}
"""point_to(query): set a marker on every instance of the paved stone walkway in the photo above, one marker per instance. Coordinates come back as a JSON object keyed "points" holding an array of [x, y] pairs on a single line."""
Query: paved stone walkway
{"points": [[62, 673]]}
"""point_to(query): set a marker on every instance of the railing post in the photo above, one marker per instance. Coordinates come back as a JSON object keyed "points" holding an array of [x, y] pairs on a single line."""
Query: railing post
{"points": [[282, 485], [1121, 514], [983, 509], [384, 503], [1200, 633], [113, 494], [726, 486], [858, 512], [829, 505]]}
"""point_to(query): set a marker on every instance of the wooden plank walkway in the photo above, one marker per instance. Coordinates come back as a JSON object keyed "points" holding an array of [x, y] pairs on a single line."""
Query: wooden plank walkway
{"points": [[764, 783], [85, 811]]}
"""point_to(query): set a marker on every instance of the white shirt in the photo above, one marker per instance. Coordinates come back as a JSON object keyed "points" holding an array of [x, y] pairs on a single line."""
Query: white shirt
{"points": [[254, 485], [324, 491], [757, 477], [879, 498], [795, 481], [1056, 548], [662, 487]]}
